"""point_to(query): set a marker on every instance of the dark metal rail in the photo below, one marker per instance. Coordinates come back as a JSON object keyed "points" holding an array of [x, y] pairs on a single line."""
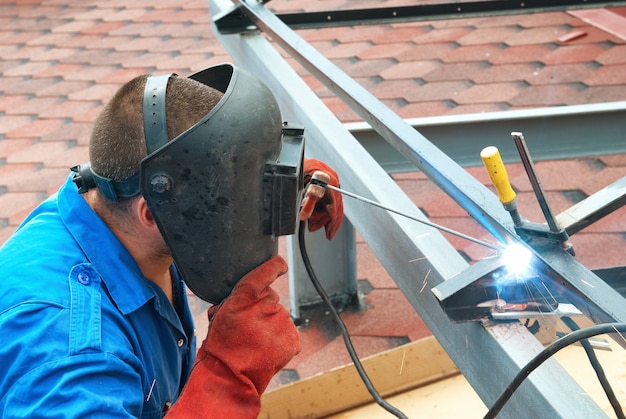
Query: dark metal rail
{"points": [[239, 20]]}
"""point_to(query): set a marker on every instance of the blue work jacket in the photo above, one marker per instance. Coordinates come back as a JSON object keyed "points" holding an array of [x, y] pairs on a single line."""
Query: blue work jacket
{"points": [[83, 332]]}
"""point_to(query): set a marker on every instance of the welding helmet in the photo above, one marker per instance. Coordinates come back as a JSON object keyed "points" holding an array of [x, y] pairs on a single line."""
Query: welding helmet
{"points": [[223, 190]]}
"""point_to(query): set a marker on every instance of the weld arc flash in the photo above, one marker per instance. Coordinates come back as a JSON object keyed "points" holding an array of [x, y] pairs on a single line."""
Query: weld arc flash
{"points": [[222, 191]]}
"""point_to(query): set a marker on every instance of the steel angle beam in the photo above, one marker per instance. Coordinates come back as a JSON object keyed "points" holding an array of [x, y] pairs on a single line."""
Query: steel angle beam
{"points": [[593, 208], [395, 241]]}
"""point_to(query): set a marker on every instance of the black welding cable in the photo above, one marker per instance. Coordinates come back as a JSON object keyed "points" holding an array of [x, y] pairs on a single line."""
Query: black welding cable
{"points": [[342, 328], [550, 350], [597, 367]]}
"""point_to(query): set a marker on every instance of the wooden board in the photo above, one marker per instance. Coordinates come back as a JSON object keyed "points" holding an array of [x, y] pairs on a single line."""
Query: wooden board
{"points": [[393, 371]]}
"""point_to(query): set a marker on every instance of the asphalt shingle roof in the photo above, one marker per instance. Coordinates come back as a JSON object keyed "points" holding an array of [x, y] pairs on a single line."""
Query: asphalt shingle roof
{"points": [[60, 61]]}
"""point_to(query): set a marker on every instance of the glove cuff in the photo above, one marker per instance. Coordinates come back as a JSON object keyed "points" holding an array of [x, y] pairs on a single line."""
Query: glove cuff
{"points": [[213, 390]]}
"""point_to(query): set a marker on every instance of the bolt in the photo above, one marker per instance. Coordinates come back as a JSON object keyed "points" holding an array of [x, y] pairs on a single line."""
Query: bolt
{"points": [[160, 183]]}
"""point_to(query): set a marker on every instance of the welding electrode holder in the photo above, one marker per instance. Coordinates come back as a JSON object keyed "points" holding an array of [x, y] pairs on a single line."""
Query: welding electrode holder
{"points": [[314, 191]]}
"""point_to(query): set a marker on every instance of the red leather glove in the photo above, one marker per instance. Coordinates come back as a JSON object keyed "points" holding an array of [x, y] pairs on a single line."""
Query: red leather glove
{"points": [[328, 212], [251, 337]]}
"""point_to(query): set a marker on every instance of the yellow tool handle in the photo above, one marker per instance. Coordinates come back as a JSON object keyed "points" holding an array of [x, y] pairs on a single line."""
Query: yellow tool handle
{"points": [[497, 172]]}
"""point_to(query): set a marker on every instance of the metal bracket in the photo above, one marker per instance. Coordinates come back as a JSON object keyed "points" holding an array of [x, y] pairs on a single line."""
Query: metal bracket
{"points": [[529, 231]]}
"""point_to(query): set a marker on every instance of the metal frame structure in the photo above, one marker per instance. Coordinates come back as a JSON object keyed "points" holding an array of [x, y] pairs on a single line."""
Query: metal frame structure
{"points": [[488, 355]]}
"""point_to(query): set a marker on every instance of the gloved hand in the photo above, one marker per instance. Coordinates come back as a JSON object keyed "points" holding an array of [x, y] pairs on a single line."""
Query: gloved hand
{"points": [[250, 338], [328, 212]]}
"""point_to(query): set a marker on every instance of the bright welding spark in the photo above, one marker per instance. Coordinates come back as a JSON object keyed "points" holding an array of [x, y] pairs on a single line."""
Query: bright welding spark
{"points": [[516, 259]]}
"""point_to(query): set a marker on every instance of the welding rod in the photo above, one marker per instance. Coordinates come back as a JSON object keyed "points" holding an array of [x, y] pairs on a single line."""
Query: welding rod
{"points": [[428, 223]]}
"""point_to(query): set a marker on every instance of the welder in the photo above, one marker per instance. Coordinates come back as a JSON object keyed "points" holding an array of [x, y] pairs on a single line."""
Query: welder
{"points": [[190, 182]]}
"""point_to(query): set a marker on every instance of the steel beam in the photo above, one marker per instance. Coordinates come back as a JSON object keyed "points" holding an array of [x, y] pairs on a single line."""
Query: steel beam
{"points": [[593, 208], [478, 351], [551, 133]]}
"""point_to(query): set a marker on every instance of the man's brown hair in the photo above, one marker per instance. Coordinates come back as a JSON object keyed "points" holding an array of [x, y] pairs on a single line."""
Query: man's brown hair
{"points": [[117, 143]]}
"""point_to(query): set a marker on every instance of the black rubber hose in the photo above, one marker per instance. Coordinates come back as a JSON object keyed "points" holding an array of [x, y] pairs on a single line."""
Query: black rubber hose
{"points": [[597, 367], [342, 328], [550, 350]]}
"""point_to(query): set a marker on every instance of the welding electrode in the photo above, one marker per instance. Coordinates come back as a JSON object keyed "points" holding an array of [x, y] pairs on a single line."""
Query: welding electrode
{"points": [[500, 179], [315, 190], [320, 180]]}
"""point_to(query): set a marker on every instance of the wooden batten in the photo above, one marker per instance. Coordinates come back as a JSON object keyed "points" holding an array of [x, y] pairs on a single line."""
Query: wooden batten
{"points": [[396, 370]]}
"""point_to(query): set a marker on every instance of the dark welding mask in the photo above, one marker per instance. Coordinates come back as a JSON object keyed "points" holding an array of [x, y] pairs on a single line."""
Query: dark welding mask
{"points": [[222, 191]]}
